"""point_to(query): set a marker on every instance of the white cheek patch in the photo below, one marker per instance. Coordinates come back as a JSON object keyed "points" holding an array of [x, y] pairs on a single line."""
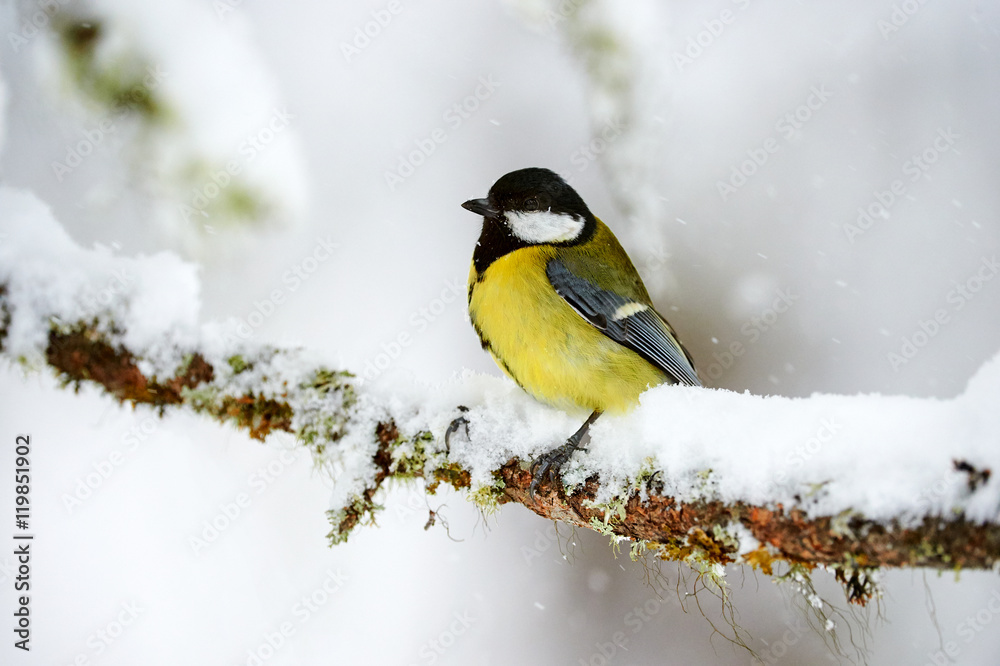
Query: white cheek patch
{"points": [[544, 226]]}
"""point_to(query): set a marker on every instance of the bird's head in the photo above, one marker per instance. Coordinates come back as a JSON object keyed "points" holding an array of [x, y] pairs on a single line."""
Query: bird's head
{"points": [[534, 206]]}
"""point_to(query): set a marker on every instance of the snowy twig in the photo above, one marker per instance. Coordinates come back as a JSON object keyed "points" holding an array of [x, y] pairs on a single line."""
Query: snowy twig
{"points": [[81, 354], [685, 476]]}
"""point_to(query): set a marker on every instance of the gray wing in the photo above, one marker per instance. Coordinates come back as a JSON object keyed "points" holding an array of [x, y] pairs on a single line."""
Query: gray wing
{"points": [[635, 325]]}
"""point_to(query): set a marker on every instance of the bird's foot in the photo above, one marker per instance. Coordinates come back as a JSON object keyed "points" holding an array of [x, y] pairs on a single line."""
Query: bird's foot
{"points": [[550, 464], [460, 422]]}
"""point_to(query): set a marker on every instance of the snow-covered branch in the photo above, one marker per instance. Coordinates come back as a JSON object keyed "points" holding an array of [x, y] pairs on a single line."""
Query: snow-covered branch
{"points": [[707, 476]]}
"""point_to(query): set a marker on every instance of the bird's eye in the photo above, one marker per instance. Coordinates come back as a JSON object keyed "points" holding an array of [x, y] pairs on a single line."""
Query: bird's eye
{"points": [[531, 204]]}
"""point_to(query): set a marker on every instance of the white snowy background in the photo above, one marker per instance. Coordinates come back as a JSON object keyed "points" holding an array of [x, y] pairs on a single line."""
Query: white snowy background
{"points": [[773, 266]]}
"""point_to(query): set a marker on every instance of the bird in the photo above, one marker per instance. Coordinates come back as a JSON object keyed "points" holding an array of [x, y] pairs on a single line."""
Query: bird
{"points": [[558, 304]]}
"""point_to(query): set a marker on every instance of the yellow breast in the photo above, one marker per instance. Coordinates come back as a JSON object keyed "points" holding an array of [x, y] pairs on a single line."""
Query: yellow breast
{"points": [[545, 346]]}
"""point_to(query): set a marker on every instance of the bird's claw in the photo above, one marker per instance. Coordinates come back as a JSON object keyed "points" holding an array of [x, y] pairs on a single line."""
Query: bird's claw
{"points": [[460, 422], [549, 464]]}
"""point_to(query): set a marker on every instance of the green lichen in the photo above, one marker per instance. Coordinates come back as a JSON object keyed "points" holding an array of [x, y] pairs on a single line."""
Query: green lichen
{"points": [[647, 473], [614, 514], [814, 490], [411, 457], [489, 498], [601, 527], [185, 365], [615, 510], [258, 414], [454, 476], [202, 398], [403, 459], [729, 541], [711, 573], [798, 573], [840, 526], [706, 483], [639, 549], [319, 427], [361, 511], [238, 364], [926, 550], [326, 381]]}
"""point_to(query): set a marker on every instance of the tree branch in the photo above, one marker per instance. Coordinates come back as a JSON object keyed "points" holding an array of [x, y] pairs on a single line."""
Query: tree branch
{"points": [[143, 347], [699, 531]]}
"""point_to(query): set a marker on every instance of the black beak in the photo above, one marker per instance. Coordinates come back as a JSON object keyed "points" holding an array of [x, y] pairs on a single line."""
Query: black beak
{"points": [[482, 207]]}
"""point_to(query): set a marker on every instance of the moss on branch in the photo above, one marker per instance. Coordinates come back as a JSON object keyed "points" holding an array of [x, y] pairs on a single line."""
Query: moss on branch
{"points": [[701, 533]]}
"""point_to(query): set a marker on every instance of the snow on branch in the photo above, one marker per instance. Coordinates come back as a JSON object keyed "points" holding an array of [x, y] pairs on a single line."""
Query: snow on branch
{"points": [[851, 483]]}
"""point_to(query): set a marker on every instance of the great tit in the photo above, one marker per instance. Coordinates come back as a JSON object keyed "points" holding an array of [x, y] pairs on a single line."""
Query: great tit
{"points": [[558, 304]]}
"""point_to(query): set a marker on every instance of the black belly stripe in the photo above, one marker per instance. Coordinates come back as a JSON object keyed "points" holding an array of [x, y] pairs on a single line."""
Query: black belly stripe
{"points": [[509, 372], [482, 338], [484, 341]]}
